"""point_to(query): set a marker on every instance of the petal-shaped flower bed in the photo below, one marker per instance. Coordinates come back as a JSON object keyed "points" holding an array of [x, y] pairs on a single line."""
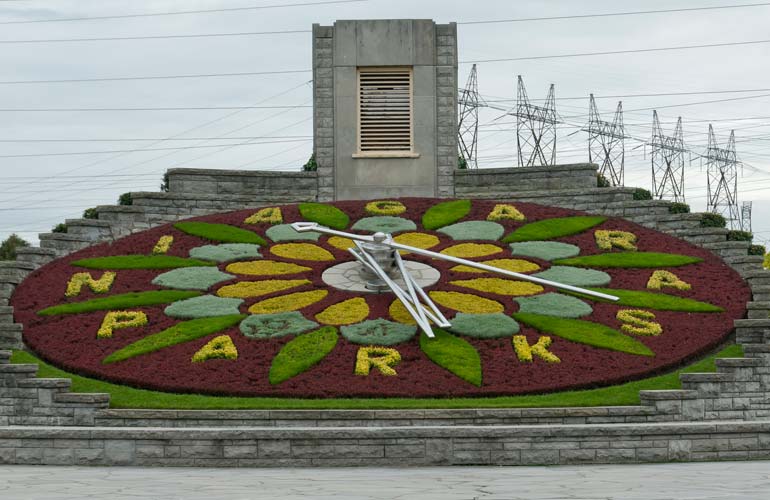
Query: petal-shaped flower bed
{"points": [[235, 304]]}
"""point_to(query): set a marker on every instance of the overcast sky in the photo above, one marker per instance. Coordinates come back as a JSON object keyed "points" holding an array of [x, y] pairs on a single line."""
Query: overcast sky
{"points": [[36, 192]]}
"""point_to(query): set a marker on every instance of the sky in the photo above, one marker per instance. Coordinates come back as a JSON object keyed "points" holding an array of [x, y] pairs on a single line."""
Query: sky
{"points": [[68, 146]]}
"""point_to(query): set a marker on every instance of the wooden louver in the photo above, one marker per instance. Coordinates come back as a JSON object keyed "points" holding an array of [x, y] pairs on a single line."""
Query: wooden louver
{"points": [[385, 110]]}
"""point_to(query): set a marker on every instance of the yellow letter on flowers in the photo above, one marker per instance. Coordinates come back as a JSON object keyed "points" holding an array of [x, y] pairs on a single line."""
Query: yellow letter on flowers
{"points": [[115, 320], [524, 351], [78, 280], [505, 212], [163, 245], [221, 347], [639, 322], [607, 240], [660, 279], [383, 358]]}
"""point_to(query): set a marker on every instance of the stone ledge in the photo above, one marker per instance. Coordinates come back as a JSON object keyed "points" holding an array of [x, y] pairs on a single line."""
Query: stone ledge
{"points": [[239, 173]]}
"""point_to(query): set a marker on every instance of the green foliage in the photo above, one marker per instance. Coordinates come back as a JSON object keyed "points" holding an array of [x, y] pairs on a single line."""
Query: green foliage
{"points": [[268, 326], [378, 332], [445, 213], [60, 228], [284, 232], [602, 181], [758, 250], [122, 396], [712, 220], [484, 326], [474, 230], [326, 215], [311, 165], [679, 208], [739, 236], [90, 213], [302, 353], [384, 224], [226, 252], [177, 334], [220, 232], [766, 261], [554, 304], [9, 246], [453, 354], [462, 163], [657, 301], [576, 276], [164, 183], [206, 306], [550, 229], [585, 332], [630, 260], [546, 250], [126, 199], [192, 278], [118, 302], [642, 194], [118, 262]]}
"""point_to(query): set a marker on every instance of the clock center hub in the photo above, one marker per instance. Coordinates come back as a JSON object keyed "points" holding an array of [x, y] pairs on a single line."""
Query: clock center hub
{"points": [[352, 277]]}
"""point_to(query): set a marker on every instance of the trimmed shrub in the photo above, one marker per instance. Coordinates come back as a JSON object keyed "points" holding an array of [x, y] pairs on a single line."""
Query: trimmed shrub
{"points": [[125, 199], [739, 236], [311, 165], [462, 163], [602, 181], [758, 250], [59, 228], [712, 220], [9, 246], [679, 208], [164, 184], [90, 213], [642, 194]]}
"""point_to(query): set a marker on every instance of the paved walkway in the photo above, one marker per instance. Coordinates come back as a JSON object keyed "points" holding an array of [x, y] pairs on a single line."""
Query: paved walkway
{"points": [[705, 481]]}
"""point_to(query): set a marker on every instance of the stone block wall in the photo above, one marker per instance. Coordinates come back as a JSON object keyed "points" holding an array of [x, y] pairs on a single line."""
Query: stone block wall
{"points": [[323, 109], [446, 108], [257, 184]]}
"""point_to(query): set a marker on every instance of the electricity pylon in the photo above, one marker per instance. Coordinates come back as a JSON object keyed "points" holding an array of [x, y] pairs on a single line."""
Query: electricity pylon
{"points": [[746, 216], [468, 123], [535, 129], [667, 162], [606, 145], [722, 172]]}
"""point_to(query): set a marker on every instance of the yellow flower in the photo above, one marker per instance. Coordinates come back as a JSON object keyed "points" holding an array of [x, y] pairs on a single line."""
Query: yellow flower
{"points": [[385, 207]]}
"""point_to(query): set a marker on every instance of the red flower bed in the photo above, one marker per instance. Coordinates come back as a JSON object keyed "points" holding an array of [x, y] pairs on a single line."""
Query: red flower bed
{"points": [[70, 341]]}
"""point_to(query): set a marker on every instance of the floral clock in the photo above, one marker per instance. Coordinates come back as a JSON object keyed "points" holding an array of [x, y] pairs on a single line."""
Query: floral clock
{"points": [[241, 304]]}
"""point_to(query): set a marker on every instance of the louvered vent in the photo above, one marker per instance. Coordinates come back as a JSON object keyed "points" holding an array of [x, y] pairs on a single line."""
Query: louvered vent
{"points": [[385, 110]]}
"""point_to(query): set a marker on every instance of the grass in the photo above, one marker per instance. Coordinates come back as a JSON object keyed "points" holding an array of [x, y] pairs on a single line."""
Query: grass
{"points": [[453, 354], [115, 302], [553, 228], [220, 232], [585, 332], [445, 213], [118, 262], [177, 334], [616, 395], [657, 301], [326, 215], [302, 353], [637, 260]]}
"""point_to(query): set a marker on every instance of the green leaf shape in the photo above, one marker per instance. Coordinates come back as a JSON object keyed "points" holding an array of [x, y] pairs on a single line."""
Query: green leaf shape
{"points": [[453, 354], [207, 306], [546, 250], [220, 232], [302, 353], [629, 260], [445, 213], [177, 334], [226, 252], [378, 332], [270, 326], [656, 301], [384, 224], [554, 304], [474, 230], [284, 232], [192, 278], [550, 229], [585, 332], [326, 215], [119, 262], [484, 326], [575, 276], [117, 302]]}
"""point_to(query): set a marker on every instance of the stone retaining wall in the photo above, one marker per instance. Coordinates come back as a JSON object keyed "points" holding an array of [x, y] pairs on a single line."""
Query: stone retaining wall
{"points": [[253, 183]]}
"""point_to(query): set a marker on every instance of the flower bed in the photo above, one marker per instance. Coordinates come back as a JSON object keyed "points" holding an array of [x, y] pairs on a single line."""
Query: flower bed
{"points": [[258, 319]]}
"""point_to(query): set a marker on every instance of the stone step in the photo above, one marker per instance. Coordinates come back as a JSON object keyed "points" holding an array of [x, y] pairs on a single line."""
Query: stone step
{"points": [[90, 229], [5, 357], [96, 400], [761, 293], [700, 235], [751, 331], [746, 259], [121, 213], [756, 350], [649, 396], [14, 271], [12, 374], [706, 384], [46, 383], [35, 255], [6, 315], [758, 277], [758, 310], [11, 336], [64, 243], [737, 362]]}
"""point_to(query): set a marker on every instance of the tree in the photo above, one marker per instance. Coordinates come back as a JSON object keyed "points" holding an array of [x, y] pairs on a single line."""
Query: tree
{"points": [[9, 246]]}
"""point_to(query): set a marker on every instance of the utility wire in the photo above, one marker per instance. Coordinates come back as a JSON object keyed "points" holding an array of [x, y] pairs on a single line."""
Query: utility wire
{"points": [[183, 12], [158, 139], [154, 37], [160, 77], [193, 108], [620, 96]]}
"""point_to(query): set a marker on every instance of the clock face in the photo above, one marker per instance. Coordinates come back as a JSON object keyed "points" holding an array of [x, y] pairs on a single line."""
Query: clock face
{"points": [[241, 304]]}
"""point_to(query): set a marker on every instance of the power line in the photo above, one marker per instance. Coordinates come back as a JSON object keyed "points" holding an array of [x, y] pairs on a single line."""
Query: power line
{"points": [[612, 14], [160, 77], [611, 52], [101, 110], [182, 12], [156, 139], [626, 96], [154, 37]]}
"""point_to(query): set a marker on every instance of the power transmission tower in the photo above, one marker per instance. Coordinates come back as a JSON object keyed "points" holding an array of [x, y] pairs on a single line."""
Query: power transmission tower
{"points": [[535, 128], [722, 172], [468, 124], [667, 162], [606, 145], [746, 216]]}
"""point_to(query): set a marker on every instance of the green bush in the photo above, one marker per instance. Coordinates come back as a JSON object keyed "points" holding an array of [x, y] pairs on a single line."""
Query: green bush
{"points": [[445, 213], [602, 181], [642, 194], [759, 250], [739, 236], [59, 228], [462, 163], [125, 199], [90, 213], [326, 215], [311, 165], [712, 220], [679, 208], [9, 246], [164, 184]]}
